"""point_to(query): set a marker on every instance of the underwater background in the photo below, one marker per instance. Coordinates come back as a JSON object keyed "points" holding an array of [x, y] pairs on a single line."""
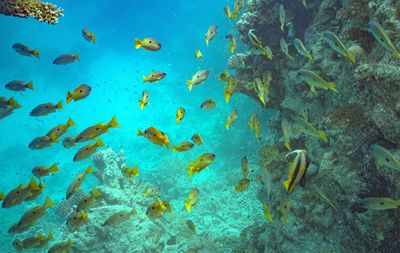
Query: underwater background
{"points": [[348, 136]]}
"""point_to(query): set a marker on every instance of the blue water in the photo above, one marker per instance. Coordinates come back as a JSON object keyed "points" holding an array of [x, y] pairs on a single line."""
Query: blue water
{"points": [[114, 69]]}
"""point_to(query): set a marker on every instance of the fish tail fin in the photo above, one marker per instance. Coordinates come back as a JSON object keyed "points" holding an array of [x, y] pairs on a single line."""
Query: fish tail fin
{"points": [[313, 91], [53, 138], [70, 123], [76, 57], [206, 42], [135, 170], [190, 172], [189, 84], [33, 185], [40, 236], [29, 85], [331, 86], [250, 124], [227, 95], [70, 243], [99, 143], [286, 185], [174, 148], [114, 123], [50, 237], [133, 211], [234, 15], [166, 143], [84, 216], [59, 105], [351, 57], [145, 79], [187, 205], [92, 38], [290, 57], [36, 53], [2, 195], [69, 97], [139, 133], [232, 48], [323, 136], [227, 125], [266, 212], [96, 193], [54, 168], [138, 43], [141, 104], [11, 102], [89, 170], [309, 56], [49, 203], [287, 145]]}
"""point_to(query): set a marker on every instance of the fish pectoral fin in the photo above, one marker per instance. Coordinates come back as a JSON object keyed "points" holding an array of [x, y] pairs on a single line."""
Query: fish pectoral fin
{"points": [[313, 91]]}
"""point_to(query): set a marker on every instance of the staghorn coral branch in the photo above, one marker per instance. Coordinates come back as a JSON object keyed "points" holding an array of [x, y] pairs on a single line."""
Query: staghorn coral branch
{"points": [[44, 12]]}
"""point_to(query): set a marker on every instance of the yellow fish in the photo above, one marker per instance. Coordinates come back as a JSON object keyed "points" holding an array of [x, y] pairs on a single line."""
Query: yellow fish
{"points": [[148, 44], [61, 247], [183, 146], [198, 78], [180, 114], [254, 123], [77, 182], [95, 131], [200, 163], [228, 12], [282, 17], [42, 171], [45, 109], [19, 194], [151, 191], [119, 217], [308, 129], [76, 219], [212, 31], [145, 99], [156, 209], [384, 157], [232, 42], [285, 49], [382, 38], [258, 45], [192, 200], [245, 167], [88, 36], [43, 142], [267, 211], [69, 142], [25, 50], [297, 171], [231, 88], [155, 136], [61, 129], [336, 44], [283, 208], [154, 76], [237, 6], [88, 200], [81, 92], [208, 104], [315, 81], [88, 150], [261, 87], [190, 225], [242, 185], [301, 49], [199, 55], [223, 76], [375, 204], [231, 119], [286, 133], [130, 173], [196, 139], [37, 241]]}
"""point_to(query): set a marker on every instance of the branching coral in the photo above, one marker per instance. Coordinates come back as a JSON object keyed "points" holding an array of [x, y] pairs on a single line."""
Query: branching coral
{"points": [[44, 12]]}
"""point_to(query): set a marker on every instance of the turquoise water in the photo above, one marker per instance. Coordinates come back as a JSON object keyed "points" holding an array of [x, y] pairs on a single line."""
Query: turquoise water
{"points": [[114, 69]]}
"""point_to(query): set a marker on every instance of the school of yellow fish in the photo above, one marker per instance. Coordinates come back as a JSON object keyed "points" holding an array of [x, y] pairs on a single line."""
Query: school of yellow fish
{"points": [[297, 168]]}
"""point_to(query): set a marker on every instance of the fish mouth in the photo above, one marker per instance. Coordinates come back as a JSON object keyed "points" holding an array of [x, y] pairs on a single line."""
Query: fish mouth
{"points": [[159, 45]]}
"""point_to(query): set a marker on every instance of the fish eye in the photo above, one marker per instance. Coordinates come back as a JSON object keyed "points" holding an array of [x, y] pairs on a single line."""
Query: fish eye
{"points": [[198, 76], [387, 159], [17, 192], [120, 215], [150, 41], [85, 200], [97, 129], [80, 91], [46, 106], [382, 203], [74, 218], [33, 212]]}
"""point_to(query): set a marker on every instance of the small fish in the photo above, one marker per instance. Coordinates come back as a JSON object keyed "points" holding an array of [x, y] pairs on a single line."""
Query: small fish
{"points": [[43, 171], [25, 50], [199, 55], [88, 36], [35, 192], [88, 200], [65, 59], [267, 211], [258, 45], [336, 44], [323, 197], [154, 76], [192, 200], [81, 92], [304, 2], [297, 170], [151, 191], [61, 247], [282, 17], [46, 109], [19, 194], [237, 6], [245, 167], [37, 241], [61, 129], [130, 173], [88, 150], [232, 42], [228, 12], [145, 99], [183, 146], [254, 123], [315, 81], [119, 217], [95, 131], [198, 78], [283, 208], [231, 119], [155, 136], [76, 183], [190, 225], [375, 204], [242, 185], [43, 142], [19, 85], [180, 114], [231, 88], [208, 104], [285, 49], [155, 210], [4, 102], [384, 157], [200, 163], [382, 37], [76, 219], [262, 87], [7, 111], [69, 142], [224, 76], [148, 44], [286, 133], [212, 31], [301, 49], [308, 129], [196, 139]]}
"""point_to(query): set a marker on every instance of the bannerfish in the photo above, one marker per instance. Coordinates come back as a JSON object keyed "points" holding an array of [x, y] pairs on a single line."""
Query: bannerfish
{"points": [[297, 170]]}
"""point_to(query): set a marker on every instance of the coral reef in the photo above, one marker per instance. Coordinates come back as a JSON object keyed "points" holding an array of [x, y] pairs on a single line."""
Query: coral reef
{"points": [[44, 12]]}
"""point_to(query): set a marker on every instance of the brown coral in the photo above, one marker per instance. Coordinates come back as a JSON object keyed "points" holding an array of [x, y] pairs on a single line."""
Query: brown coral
{"points": [[44, 12]]}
